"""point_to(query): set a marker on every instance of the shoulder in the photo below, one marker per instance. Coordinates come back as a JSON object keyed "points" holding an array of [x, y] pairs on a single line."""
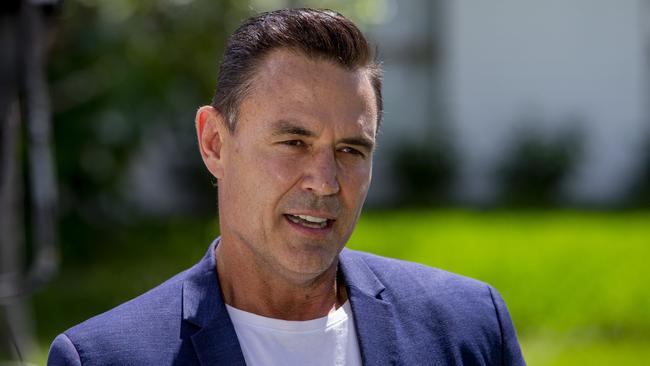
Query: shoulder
{"points": [[422, 296], [153, 318], [411, 279]]}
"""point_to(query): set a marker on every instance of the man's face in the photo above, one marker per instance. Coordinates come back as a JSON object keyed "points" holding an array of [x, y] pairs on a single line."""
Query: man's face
{"points": [[295, 173]]}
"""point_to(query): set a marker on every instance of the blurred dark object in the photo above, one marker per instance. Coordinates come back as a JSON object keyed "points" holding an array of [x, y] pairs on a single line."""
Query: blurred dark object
{"points": [[24, 36], [639, 193], [424, 173], [536, 167]]}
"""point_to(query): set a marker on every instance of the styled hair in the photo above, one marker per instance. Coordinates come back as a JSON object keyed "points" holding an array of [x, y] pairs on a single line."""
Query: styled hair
{"points": [[318, 34]]}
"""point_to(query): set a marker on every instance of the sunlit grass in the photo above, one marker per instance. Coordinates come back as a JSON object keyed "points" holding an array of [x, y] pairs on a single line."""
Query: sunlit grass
{"points": [[553, 351]]}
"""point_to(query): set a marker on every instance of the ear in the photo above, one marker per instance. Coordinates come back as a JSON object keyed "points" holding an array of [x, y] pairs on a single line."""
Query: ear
{"points": [[211, 130]]}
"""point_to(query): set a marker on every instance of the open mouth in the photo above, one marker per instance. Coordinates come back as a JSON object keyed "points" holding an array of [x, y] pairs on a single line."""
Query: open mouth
{"points": [[311, 222]]}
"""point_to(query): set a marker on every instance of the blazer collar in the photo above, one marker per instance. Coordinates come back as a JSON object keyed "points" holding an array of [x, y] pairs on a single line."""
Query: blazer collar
{"points": [[373, 316], [215, 342]]}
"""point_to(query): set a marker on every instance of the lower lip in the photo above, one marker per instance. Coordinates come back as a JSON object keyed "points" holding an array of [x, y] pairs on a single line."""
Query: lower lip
{"points": [[312, 231]]}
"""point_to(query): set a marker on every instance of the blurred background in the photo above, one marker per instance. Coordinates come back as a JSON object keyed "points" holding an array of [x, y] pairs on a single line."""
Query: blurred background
{"points": [[515, 149]]}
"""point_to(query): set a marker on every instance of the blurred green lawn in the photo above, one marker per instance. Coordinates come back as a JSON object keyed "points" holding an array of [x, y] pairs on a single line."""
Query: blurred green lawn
{"points": [[576, 282]]}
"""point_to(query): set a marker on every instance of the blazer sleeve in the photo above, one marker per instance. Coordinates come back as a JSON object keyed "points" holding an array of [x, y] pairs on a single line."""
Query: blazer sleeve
{"points": [[63, 352], [510, 351]]}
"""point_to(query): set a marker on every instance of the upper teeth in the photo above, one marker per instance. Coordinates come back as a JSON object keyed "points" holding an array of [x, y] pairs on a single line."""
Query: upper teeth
{"points": [[317, 220]]}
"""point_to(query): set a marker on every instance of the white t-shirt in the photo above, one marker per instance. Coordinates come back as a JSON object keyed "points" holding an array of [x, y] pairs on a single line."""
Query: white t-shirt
{"points": [[327, 341]]}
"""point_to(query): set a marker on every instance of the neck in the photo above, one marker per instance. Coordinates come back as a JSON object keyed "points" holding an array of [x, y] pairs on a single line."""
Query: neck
{"points": [[246, 285]]}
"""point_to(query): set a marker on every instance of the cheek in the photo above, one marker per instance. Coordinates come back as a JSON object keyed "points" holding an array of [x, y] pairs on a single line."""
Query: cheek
{"points": [[355, 183], [280, 172], [361, 171], [266, 178], [242, 185]]}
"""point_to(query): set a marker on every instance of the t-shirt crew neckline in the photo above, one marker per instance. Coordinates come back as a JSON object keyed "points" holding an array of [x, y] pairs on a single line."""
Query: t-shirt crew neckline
{"points": [[291, 326]]}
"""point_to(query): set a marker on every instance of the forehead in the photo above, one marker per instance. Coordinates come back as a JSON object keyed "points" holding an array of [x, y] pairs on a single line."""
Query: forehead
{"points": [[290, 85]]}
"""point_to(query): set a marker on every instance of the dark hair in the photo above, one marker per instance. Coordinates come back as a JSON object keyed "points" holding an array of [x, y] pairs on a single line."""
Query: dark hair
{"points": [[315, 33]]}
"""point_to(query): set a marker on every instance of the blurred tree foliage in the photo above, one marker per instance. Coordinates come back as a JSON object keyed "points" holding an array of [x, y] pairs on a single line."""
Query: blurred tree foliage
{"points": [[424, 172], [534, 169], [122, 73]]}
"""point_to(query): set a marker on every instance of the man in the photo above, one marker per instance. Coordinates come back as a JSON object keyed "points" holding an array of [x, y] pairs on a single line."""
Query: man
{"points": [[290, 137]]}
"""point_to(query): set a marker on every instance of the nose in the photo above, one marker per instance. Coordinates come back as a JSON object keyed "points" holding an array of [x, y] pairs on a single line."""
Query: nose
{"points": [[321, 174]]}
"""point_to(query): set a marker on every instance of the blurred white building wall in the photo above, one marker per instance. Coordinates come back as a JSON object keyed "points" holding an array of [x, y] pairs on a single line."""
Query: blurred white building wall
{"points": [[556, 60]]}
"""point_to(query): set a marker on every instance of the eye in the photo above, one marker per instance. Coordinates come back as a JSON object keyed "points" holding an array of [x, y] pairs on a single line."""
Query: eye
{"points": [[351, 150], [296, 143]]}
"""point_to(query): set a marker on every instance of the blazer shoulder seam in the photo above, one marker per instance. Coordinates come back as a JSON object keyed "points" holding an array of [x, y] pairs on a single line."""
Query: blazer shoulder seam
{"points": [[76, 348], [499, 320]]}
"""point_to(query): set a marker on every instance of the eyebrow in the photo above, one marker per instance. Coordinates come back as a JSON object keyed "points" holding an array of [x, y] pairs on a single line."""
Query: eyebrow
{"points": [[290, 128], [284, 127]]}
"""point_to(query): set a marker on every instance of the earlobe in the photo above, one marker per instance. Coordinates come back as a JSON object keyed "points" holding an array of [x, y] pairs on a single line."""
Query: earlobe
{"points": [[210, 133]]}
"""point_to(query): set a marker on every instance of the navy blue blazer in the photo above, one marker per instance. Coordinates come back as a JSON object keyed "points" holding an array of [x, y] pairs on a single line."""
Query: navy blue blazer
{"points": [[405, 314]]}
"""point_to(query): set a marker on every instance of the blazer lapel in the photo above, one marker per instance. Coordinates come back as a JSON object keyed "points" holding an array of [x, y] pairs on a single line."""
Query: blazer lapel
{"points": [[373, 316], [215, 342]]}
